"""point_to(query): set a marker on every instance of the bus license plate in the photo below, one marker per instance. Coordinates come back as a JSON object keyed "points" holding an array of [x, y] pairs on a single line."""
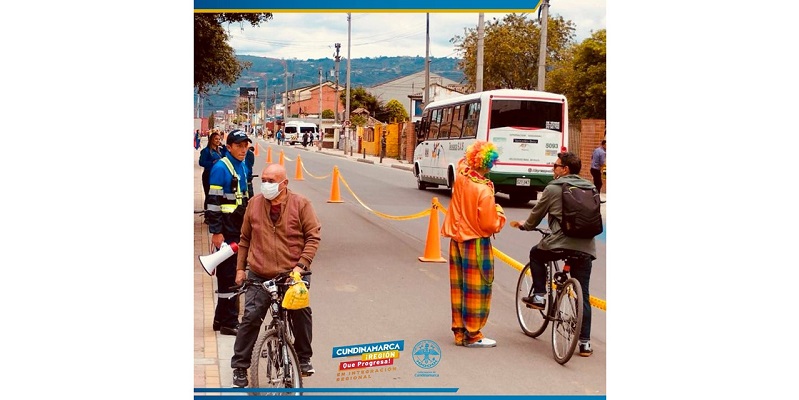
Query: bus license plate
{"points": [[522, 182]]}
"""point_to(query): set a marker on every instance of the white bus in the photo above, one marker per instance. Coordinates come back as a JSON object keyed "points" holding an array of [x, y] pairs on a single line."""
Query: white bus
{"points": [[528, 127], [294, 130]]}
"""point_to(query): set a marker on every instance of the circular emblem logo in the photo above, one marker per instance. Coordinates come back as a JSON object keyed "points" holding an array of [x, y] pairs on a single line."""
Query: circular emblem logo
{"points": [[426, 354]]}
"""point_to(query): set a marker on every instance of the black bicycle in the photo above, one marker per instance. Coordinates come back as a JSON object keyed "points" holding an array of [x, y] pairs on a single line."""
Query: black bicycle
{"points": [[274, 361], [564, 305]]}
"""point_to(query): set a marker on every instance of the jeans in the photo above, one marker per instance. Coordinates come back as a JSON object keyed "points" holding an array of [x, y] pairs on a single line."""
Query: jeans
{"points": [[580, 270], [256, 306]]}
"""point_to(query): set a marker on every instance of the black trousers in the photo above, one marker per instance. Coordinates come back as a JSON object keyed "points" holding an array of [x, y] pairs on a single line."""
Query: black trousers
{"points": [[597, 175], [579, 271], [256, 305], [227, 310], [206, 186]]}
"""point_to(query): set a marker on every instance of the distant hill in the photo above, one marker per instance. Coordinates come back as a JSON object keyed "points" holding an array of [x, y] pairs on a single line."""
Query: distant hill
{"points": [[366, 72]]}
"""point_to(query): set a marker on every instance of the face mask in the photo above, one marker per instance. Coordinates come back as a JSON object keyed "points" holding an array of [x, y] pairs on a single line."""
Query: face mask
{"points": [[270, 190]]}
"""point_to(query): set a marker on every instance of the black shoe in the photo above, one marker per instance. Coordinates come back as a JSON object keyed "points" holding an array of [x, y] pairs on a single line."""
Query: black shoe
{"points": [[306, 368], [226, 330], [240, 377], [585, 349], [535, 302]]}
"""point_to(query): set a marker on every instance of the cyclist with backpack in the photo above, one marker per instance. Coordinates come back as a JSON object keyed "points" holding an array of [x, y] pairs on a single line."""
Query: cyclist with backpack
{"points": [[571, 205]]}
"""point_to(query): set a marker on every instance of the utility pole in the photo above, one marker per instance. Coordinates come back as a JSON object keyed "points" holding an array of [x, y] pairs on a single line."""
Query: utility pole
{"points": [[347, 110], [338, 59], [426, 98], [479, 69], [293, 99], [542, 56], [320, 103], [286, 99]]}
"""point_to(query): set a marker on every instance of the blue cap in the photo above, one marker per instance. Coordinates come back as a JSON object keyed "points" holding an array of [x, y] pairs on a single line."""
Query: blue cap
{"points": [[236, 137]]}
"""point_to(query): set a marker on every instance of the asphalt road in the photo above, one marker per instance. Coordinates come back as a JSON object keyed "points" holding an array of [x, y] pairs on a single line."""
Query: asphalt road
{"points": [[369, 287]]}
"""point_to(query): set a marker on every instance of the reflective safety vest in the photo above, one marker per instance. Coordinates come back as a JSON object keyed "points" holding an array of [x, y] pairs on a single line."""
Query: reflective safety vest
{"points": [[239, 195]]}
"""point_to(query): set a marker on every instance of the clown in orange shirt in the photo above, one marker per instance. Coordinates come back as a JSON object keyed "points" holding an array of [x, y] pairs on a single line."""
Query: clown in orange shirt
{"points": [[473, 216]]}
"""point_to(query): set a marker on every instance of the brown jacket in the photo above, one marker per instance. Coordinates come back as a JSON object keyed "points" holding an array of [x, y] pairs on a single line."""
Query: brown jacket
{"points": [[472, 213], [270, 248]]}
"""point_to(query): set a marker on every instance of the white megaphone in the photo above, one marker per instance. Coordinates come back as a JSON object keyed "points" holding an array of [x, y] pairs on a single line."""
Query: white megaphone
{"points": [[211, 261]]}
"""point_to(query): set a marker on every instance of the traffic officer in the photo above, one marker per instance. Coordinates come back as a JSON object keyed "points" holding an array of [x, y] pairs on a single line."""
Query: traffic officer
{"points": [[227, 201]]}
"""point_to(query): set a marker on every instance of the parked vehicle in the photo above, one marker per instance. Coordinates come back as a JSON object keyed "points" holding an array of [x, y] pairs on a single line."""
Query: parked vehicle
{"points": [[294, 130]]}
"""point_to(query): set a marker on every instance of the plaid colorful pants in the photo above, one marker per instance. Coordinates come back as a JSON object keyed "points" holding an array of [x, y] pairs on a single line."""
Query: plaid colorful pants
{"points": [[471, 274]]}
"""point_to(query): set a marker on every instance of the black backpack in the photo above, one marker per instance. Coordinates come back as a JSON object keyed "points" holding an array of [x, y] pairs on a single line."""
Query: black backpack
{"points": [[581, 216]]}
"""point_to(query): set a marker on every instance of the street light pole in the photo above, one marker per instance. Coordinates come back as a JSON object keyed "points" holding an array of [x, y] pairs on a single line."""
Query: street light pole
{"points": [[347, 110], [338, 60]]}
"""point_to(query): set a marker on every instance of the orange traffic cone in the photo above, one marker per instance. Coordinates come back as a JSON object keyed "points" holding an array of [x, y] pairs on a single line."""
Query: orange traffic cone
{"points": [[298, 172], [282, 162], [335, 196], [432, 247], [256, 149], [269, 155]]}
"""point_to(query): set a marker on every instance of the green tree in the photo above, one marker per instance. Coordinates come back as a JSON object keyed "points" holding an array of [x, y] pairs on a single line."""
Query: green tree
{"points": [[396, 111], [211, 120], [214, 60], [510, 50], [358, 120], [360, 98], [328, 114], [581, 77]]}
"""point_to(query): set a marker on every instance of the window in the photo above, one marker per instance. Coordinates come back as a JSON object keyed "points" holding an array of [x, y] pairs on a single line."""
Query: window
{"points": [[457, 121], [527, 114], [470, 120]]}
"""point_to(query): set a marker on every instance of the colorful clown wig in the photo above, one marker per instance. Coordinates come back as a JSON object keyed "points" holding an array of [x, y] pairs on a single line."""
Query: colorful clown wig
{"points": [[481, 155]]}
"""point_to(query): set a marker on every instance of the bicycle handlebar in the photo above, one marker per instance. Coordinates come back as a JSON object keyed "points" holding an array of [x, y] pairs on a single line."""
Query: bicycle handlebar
{"points": [[279, 279]]}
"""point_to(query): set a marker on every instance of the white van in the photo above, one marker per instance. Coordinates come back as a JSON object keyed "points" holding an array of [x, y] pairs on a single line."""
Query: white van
{"points": [[294, 130]]}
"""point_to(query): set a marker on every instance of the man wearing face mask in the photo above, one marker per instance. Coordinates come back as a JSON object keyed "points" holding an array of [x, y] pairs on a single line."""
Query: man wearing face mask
{"points": [[280, 233], [227, 201]]}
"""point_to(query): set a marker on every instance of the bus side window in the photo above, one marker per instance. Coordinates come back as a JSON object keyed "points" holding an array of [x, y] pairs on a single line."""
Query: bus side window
{"points": [[457, 121], [446, 121], [435, 118], [470, 121]]}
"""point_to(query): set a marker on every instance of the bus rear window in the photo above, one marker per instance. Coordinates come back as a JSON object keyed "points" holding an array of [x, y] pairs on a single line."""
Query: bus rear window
{"points": [[526, 114]]}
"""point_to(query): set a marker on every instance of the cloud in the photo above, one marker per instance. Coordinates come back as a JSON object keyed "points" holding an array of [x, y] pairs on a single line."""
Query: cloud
{"points": [[313, 35]]}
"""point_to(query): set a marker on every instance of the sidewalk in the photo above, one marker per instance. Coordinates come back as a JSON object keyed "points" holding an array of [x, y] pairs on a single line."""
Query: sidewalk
{"points": [[369, 159], [206, 358]]}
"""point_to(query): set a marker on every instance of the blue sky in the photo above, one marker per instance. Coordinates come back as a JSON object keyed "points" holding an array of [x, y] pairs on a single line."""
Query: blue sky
{"points": [[312, 35]]}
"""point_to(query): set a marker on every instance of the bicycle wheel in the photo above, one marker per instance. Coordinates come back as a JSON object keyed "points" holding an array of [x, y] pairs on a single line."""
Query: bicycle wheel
{"points": [[533, 322], [268, 370], [568, 320]]}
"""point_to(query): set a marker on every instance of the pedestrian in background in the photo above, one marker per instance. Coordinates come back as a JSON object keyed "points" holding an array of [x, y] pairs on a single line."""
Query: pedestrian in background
{"points": [[290, 245], [212, 153], [279, 136], [472, 218], [249, 160], [597, 162], [197, 139]]}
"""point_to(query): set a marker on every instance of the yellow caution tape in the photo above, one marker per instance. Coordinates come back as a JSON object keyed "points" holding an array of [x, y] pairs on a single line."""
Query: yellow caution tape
{"points": [[394, 217]]}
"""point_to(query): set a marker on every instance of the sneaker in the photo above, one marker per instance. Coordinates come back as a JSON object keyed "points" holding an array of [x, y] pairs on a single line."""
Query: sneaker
{"points": [[535, 301], [306, 368], [484, 342], [240, 377], [585, 349]]}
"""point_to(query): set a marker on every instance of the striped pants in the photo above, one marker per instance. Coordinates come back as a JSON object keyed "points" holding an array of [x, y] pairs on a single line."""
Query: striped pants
{"points": [[471, 274]]}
